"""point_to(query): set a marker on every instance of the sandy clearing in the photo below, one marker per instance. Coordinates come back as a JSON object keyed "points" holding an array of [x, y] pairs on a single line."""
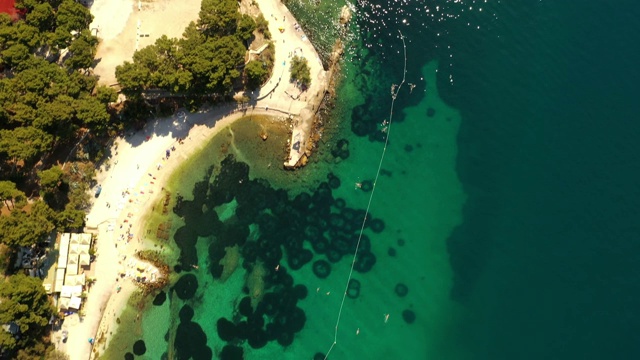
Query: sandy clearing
{"points": [[110, 17], [127, 25]]}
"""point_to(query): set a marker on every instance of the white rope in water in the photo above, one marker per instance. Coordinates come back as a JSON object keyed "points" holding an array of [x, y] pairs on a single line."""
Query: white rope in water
{"points": [[394, 94]]}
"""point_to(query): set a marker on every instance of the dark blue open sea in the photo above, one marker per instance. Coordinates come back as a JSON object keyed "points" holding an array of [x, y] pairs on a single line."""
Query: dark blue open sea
{"points": [[504, 223]]}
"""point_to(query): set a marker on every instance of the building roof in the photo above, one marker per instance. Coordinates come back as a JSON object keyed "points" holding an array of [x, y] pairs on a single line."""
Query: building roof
{"points": [[84, 260], [64, 250], [69, 291], [73, 252], [75, 302], [73, 280], [59, 281], [8, 7]]}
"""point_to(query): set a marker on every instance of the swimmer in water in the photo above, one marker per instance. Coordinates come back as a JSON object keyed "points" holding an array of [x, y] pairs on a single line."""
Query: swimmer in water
{"points": [[358, 185], [386, 318]]}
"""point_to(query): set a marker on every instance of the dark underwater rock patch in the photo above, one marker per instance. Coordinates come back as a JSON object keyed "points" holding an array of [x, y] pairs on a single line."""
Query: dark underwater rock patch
{"points": [[366, 185], [320, 245], [129, 356], [321, 269], [334, 181], [376, 225], [186, 286], [409, 316], [231, 352], [139, 348], [244, 307], [257, 339], [278, 232], [159, 299], [186, 313], [226, 329], [401, 290], [353, 289], [285, 339], [341, 149], [300, 291], [364, 262], [333, 255], [191, 341]]}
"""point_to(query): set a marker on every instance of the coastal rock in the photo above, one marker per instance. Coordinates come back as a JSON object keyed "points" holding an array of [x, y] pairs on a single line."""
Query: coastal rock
{"points": [[160, 298], [345, 15]]}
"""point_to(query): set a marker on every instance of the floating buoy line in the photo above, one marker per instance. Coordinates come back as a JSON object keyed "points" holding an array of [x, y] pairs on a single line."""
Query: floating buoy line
{"points": [[395, 89]]}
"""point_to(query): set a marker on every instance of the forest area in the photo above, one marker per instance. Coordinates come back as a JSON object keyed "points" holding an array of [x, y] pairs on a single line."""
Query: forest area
{"points": [[56, 122]]}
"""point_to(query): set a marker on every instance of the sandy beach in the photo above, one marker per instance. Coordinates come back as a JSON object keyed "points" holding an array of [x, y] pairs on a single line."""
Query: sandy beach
{"points": [[133, 178]]}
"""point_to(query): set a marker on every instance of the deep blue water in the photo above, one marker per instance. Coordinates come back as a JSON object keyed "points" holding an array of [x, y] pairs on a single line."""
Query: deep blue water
{"points": [[546, 259]]}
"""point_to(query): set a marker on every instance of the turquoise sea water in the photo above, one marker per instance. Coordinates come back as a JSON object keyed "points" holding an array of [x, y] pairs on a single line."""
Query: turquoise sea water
{"points": [[508, 194]]}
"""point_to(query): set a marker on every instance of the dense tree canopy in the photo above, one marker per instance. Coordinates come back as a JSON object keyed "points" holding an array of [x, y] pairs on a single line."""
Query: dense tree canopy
{"points": [[73, 16], [207, 59], [41, 103], [9, 194], [219, 17], [300, 71], [246, 26], [82, 50], [106, 94], [51, 178], [23, 302], [256, 72], [23, 228], [262, 25], [24, 143]]}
